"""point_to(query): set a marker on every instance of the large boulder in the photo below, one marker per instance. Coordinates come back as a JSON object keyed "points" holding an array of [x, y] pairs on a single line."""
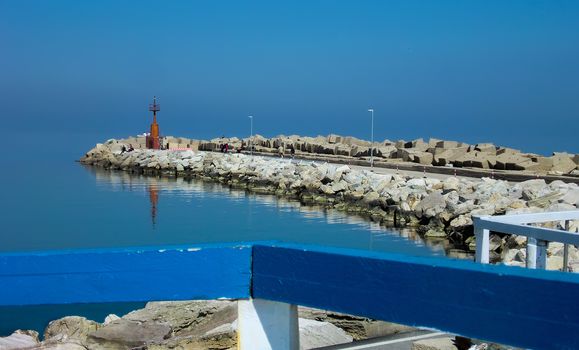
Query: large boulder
{"points": [[449, 156], [488, 148], [431, 205], [508, 161], [506, 150], [447, 144], [386, 151], [571, 196], [342, 150], [71, 327], [128, 334], [531, 189], [562, 164], [407, 154], [418, 145], [423, 158], [334, 138]]}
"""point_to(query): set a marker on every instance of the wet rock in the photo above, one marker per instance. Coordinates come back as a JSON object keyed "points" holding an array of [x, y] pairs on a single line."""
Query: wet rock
{"points": [[461, 221], [435, 234]]}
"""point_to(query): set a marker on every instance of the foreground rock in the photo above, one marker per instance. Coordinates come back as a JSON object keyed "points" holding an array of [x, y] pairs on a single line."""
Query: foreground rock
{"points": [[184, 325], [438, 209], [19, 340]]}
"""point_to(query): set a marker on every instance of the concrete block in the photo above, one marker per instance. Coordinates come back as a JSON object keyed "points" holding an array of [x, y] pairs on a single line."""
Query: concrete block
{"points": [[563, 163], [423, 158], [447, 144]]}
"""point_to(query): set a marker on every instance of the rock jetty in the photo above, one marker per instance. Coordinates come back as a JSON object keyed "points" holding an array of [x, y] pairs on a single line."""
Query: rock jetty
{"points": [[433, 152], [438, 209]]}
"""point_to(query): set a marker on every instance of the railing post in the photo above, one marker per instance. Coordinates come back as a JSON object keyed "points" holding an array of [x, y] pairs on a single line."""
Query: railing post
{"points": [[542, 254], [531, 252], [267, 325], [566, 249], [482, 241]]}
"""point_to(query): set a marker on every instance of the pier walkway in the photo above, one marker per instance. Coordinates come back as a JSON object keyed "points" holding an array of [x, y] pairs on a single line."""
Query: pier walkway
{"points": [[419, 170]]}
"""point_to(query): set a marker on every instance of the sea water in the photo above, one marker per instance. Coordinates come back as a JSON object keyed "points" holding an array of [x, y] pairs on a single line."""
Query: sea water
{"points": [[51, 202]]}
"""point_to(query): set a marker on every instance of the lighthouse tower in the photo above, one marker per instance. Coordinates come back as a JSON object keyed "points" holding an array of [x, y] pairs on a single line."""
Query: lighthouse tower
{"points": [[153, 141]]}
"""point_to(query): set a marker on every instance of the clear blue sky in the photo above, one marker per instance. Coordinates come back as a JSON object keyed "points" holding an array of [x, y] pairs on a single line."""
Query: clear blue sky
{"points": [[501, 71]]}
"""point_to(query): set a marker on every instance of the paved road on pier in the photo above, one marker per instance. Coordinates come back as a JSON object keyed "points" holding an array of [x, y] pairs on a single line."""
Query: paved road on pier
{"points": [[439, 172]]}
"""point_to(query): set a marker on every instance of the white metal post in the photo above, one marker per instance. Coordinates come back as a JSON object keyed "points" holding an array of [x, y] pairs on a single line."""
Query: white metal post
{"points": [[566, 249], [267, 325], [482, 242], [531, 252], [542, 254]]}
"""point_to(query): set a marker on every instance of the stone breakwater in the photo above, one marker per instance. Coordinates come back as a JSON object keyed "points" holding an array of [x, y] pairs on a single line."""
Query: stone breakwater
{"points": [[439, 209], [433, 152]]}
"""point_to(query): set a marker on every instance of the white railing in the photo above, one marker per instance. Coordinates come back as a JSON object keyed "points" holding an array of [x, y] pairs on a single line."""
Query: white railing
{"points": [[537, 237]]}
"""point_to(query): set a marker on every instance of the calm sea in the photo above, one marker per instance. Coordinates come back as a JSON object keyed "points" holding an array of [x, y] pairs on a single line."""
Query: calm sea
{"points": [[51, 202]]}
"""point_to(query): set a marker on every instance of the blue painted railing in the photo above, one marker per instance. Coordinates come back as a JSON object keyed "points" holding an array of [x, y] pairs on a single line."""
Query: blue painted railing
{"points": [[526, 308]]}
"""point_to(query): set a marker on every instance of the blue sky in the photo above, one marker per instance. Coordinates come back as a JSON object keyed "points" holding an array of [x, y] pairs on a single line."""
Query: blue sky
{"points": [[475, 71]]}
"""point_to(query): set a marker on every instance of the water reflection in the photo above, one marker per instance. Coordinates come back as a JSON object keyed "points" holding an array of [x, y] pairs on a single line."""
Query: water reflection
{"points": [[154, 199], [196, 193]]}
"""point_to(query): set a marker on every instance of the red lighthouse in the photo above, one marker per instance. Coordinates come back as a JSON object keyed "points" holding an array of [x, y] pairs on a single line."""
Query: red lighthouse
{"points": [[153, 141]]}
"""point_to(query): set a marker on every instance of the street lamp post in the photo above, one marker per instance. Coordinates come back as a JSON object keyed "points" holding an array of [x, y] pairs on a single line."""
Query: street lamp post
{"points": [[371, 110], [251, 137]]}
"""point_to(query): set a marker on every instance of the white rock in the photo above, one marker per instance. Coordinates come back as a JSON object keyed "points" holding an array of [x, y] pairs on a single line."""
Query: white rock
{"points": [[571, 197], [450, 183], [110, 318], [315, 334], [343, 169], [19, 340], [416, 183]]}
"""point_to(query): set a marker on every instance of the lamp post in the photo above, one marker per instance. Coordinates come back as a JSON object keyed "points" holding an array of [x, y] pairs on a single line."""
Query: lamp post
{"points": [[371, 110], [251, 137]]}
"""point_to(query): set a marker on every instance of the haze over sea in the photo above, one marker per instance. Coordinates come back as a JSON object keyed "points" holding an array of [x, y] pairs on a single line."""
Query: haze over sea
{"points": [[76, 73], [477, 71]]}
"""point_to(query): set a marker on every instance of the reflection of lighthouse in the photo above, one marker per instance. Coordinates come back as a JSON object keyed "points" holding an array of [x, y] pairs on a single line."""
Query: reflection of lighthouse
{"points": [[153, 198], [153, 137]]}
